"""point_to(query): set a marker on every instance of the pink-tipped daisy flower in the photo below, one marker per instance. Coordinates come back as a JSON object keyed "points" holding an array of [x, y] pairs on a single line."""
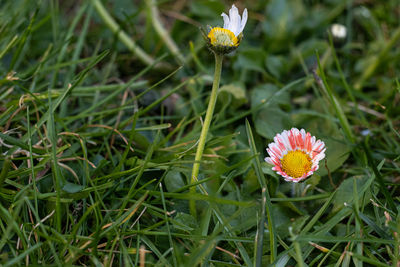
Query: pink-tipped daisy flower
{"points": [[295, 154]]}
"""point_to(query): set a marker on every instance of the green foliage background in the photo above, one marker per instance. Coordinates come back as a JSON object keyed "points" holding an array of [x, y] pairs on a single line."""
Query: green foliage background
{"points": [[100, 110]]}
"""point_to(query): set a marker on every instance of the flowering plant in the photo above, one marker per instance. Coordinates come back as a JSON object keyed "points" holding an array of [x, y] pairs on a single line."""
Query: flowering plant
{"points": [[295, 154], [225, 40]]}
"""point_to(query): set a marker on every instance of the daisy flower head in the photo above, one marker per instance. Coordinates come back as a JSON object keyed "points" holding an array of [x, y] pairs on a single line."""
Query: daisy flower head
{"points": [[225, 40], [295, 154]]}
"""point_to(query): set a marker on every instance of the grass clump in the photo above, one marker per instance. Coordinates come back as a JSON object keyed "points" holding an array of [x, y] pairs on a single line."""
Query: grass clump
{"points": [[101, 107]]}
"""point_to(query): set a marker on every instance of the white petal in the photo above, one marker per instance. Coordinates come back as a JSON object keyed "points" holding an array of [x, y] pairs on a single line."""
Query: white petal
{"points": [[303, 134], [318, 145], [268, 160], [244, 20], [319, 157], [283, 136], [226, 20], [234, 18]]}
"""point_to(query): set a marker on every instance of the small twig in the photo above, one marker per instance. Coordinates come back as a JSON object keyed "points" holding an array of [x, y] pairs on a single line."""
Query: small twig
{"points": [[321, 248], [215, 156], [75, 158], [112, 129], [233, 255], [12, 116], [179, 145], [69, 169], [41, 221], [183, 18], [329, 175], [137, 219], [142, 252], [368, 110]]}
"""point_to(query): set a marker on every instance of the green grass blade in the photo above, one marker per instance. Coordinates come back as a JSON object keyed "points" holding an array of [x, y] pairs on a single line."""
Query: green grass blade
{"points": [[265, 197]]}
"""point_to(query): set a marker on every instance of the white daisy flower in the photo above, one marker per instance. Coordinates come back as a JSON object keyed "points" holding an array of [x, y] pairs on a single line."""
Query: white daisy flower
{"points": [[338, 31], [226, 39], [295, 154]]}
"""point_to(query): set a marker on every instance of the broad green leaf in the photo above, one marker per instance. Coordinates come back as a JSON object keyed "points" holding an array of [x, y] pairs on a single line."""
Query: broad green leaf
{"points": [[344, 195], [238, 92], [270, 121], [173, 181], [276, 65], [251, 59]]}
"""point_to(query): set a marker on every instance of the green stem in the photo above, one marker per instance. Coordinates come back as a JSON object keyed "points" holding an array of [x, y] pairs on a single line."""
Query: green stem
{"points": [[162, 32], [204, 130], [122, 36], [297, 249]]}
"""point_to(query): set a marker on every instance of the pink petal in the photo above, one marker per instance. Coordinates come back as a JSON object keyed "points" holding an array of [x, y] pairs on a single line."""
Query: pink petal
{"points": [[300, 141], [308, 145], [278, 140], [292, 140]]}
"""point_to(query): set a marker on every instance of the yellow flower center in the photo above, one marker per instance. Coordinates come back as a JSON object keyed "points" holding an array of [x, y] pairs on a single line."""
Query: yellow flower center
{"points": [[296, 163], [222, 37]]}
